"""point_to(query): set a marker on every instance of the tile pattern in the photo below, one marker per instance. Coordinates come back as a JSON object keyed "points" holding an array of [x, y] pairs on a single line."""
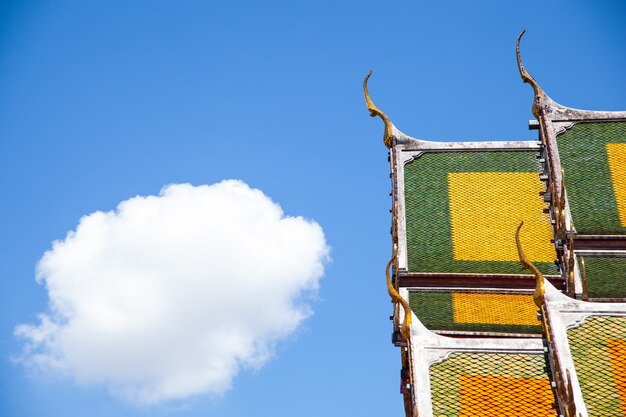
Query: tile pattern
{"points": [[591, 153], [606, 277], [441, 191], [490, 385], [475, 312], [485, 210], [598, 347], [494, 308], [617, 163], [617, 355]]}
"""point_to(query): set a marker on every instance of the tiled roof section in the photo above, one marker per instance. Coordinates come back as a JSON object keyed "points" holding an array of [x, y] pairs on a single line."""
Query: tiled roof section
{"points": [[491, 384], [598, 349], [593, 155], [475, 312], [606, 277], [462, 208]]}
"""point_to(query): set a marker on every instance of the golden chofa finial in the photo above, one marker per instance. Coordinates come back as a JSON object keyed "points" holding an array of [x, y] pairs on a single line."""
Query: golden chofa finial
{"points": [[540, 288], [527, 78], [397, 298], [570, 404], [375, 111]]}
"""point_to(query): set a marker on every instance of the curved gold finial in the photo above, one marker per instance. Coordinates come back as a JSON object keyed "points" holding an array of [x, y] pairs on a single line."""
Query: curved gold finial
{"points": [[570, 404], [571, 291], [375, 111], [561, 224], [570, 261], [526, 77], [397, 298], [540, 288], [555, 207]]}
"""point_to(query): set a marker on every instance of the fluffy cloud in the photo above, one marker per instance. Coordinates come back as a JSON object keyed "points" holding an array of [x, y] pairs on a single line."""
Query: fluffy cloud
{"points": [[171, 295]]}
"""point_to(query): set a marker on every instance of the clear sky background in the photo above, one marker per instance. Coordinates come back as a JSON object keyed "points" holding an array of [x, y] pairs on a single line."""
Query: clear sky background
{"points": [[103, 101]]}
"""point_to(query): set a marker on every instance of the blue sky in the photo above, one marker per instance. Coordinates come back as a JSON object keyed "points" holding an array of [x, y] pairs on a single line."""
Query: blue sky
{"points": [[103, 101]]}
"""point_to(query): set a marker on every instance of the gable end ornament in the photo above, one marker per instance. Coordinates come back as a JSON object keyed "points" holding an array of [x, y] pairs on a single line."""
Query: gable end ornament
{"points": [[540, 287], [375, 111], [540, 96]]}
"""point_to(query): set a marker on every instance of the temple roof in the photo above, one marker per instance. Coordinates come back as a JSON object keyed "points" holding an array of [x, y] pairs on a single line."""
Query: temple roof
{"points": [[587, 347], [479, 376], [586, 153], [494, 317]]}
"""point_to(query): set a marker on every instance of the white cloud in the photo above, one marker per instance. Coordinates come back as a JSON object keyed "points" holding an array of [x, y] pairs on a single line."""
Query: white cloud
{"points": [[170, 296]]}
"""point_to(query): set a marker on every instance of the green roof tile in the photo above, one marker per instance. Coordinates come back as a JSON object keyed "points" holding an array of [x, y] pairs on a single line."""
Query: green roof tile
{"points": [[428, 213], [598, 347], [588, 181], [606, 277], [490, 385]]}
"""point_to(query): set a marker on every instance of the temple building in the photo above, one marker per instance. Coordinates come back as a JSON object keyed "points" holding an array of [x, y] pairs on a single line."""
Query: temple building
{"points": [[508, 267]]}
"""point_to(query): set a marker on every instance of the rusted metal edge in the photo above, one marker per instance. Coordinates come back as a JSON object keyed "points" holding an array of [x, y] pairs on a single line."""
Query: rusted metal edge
{"points": [[443, 280], [503, 335], [600, 242]]}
